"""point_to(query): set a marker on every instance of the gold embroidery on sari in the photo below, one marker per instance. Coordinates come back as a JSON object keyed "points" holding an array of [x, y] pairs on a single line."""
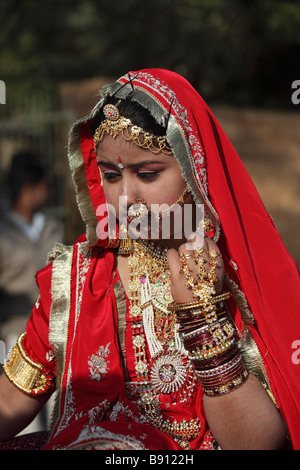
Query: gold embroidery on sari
{"points": [[254, 362], [59, 315], [121, 305]]}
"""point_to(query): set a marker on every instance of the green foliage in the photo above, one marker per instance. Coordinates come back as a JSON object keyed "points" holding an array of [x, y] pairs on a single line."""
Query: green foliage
{"points": [[233, 51]]}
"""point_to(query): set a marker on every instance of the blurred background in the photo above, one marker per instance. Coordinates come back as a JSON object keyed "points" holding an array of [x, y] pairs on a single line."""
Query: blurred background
{"points": [[242, 56]]}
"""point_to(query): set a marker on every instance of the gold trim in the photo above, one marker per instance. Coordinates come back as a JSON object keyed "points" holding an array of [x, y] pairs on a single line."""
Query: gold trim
{"points": [[23, 372], [121, 305], [240, 300], [83, 196], [59, 315], [254, 362]]}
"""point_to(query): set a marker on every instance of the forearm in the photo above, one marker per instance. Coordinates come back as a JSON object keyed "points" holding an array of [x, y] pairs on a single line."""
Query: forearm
{"points": [[245, 419], [17, 410]]}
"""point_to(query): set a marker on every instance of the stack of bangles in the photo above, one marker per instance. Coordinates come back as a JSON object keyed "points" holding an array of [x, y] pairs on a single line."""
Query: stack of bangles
{"points": [[211, 341]]}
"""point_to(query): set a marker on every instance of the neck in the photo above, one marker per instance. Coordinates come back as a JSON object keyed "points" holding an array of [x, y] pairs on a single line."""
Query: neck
{"points": [[23, 211]]}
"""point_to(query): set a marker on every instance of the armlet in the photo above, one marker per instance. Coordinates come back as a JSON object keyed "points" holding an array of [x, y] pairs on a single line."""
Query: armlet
{"points": [[27, 375]]}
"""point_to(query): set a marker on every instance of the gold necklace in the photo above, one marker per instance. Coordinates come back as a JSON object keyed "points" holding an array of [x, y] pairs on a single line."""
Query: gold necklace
{"points": [[146, 259]]}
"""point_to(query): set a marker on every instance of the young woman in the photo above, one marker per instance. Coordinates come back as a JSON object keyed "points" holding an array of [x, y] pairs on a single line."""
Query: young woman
{"points": [[155, 338]]}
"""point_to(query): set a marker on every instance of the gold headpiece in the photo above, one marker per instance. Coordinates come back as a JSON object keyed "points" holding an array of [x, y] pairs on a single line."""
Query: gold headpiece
{"points": [[115, 124]]}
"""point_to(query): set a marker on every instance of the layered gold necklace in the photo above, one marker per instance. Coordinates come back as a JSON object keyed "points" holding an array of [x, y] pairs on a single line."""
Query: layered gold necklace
{"points": [[149, 288]]}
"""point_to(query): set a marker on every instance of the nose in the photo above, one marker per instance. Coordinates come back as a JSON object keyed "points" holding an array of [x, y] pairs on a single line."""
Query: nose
{"points": [[128, 192]]}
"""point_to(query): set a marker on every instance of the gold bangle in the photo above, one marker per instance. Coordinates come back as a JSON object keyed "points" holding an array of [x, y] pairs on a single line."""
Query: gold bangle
{"points": [[26, 374], [191, 305]]}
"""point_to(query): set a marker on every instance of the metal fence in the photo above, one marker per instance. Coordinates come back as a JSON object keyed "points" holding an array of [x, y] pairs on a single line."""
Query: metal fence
{"points": [[37, 123]]}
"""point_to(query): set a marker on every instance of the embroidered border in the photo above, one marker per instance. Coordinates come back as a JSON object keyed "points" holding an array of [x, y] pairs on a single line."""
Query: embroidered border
{"points": [[59, 315], [64, 265]]}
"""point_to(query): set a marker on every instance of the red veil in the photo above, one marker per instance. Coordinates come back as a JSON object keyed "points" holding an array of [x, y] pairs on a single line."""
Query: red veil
{"points": [[255, 258]]}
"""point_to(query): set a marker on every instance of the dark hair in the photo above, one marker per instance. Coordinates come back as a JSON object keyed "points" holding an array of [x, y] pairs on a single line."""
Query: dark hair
{"points": [[25, 169], [132, 110]]}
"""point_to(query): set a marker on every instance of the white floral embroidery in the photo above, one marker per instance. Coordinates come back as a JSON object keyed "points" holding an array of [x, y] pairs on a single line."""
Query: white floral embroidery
{"points": [[97, 432], [98, 364], [69, 406], [96, 414], [37, 303], [50, 356]]}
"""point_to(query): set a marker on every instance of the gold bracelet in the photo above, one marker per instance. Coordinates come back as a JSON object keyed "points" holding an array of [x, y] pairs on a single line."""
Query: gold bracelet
{"points": [[26, 374], [191, 305]]}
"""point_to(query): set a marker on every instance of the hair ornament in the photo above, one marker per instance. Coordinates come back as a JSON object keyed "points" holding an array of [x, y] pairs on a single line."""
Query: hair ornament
{"points": [[115, 124]]}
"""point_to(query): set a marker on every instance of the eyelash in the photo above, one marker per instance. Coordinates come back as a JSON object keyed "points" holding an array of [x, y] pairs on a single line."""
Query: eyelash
{"points": [[146, 175], [109, 175]]}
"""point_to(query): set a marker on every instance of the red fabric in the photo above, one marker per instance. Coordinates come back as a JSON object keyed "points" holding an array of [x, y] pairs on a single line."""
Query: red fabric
{"points": [[36, 342], [266, 272], [93, 180]]}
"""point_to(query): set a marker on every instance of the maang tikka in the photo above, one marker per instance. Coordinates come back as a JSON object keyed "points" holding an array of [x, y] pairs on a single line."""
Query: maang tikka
{"points": [[115, 124]]}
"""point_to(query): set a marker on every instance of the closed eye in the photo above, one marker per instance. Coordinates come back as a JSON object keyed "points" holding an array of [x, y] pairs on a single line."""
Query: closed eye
{"points": [[148, 175], [110, 175]]}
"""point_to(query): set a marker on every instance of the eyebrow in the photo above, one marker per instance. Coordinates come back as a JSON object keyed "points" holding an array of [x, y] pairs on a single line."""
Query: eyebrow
{"points": [[131, 165]]}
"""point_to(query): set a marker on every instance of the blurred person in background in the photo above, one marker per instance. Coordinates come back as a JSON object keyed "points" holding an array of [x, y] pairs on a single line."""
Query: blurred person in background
{"points": [[27, 236]]}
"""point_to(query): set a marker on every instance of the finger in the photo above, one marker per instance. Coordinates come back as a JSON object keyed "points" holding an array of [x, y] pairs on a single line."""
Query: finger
{"points": [[195, 241], [174, 264], [187, 258], [180, 292], [220, 272]]}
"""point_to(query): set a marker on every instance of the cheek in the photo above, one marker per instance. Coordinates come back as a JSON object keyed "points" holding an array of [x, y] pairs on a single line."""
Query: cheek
{"points": [[169, 190], [111, 196]]}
